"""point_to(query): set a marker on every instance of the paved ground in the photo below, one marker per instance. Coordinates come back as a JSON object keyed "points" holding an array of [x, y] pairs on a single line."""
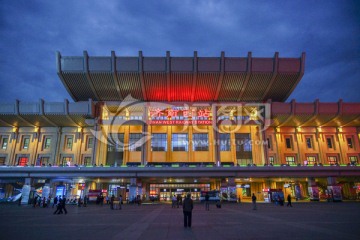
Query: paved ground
{"points": [[315, 220]]}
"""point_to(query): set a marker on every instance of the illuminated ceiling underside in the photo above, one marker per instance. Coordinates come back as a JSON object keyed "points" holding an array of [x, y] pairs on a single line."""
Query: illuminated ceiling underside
{"points": [[180, 79]]}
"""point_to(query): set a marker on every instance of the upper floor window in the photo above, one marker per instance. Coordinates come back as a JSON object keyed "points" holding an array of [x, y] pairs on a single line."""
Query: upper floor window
{"points": [[135, 142], [69, 142], [309, 143], [329, 142], [288, 142], [159, 142], [89, 143], [349, 141], [200, 142], [225, 142], [47, 143], [179, 142], [269, 143], [26, 142], [4, 142]]}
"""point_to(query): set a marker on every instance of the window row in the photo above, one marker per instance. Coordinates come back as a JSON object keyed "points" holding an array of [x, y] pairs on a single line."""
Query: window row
{"points": [[311, 160], [179, 142], [310, 142], [25, 142]]}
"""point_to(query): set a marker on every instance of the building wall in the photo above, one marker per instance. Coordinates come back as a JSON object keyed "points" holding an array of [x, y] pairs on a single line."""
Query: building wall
{"points": [[340, 148], [81, 151]]}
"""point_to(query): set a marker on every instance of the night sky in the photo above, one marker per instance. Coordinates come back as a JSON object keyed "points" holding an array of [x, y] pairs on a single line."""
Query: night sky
{"points": [[32, 31]]}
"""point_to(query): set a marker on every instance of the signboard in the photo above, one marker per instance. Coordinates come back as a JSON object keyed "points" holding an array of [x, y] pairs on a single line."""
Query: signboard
{"points": [[314, 193], [60, 191]]}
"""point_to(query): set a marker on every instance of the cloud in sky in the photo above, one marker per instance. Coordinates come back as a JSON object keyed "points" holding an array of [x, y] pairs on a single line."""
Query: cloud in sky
{"points": [[32, 31]]}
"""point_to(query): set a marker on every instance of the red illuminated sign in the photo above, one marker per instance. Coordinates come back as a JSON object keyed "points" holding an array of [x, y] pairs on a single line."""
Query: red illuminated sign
{"points": [[179, 122]]}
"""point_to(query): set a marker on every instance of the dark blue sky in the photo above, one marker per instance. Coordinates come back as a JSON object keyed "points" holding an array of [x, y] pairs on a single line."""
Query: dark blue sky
{"points": [[32, 31]]}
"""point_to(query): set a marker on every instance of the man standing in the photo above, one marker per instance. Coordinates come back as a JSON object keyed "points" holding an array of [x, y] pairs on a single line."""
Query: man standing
{"points": [[253, 198], [289, 200], [188, 206], [207, 197]]}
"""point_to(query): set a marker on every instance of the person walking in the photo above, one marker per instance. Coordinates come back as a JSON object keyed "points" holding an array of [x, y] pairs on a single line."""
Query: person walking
{"points": [[112, 199], [289, 201], [120, 201], [253, 198], [207, 198], [188, 206], [55, 201], [173, 201]]}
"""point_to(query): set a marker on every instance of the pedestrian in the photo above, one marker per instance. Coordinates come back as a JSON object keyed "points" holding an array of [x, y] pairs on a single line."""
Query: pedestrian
{"points": [[188, 206], [55, 201], [173, 201], [207, 198], [85, 200], [107, 199], [289, 200], [63, 205], [179, 199], [35, 201], [112, 199], [120, 201], [253, 198], [79, 202]]}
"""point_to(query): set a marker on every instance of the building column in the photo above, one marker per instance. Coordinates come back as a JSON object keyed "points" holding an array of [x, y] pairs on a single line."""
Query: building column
{"points": [[144, 145], [132, 189], [25, 193]]}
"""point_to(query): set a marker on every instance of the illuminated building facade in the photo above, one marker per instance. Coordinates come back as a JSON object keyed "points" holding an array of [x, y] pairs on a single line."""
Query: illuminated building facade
{"points": [[158, 126]]}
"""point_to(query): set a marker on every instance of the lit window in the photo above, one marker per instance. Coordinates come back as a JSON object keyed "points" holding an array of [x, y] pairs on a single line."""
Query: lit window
{"points": [[135, 142], [89, 143], [332, 160], [179, 142], [69, 142], [47, 143], [22, 161], [87, 161], [271, 160], [44, 160], [200, 142], [4, 143], [2, 161], [225, 142], [159, 142], [353, 159], [66, 161], [311, 160], [26, 142], [290, 160]]}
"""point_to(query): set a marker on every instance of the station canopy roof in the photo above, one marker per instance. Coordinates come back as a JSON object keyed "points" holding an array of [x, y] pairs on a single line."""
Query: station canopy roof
{"points": [[180, 79]]}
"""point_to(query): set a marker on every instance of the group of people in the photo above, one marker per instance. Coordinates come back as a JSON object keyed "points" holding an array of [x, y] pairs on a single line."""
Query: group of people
{"points": [[60, 205], [115, 203], [39, 201], [176, 201]]}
